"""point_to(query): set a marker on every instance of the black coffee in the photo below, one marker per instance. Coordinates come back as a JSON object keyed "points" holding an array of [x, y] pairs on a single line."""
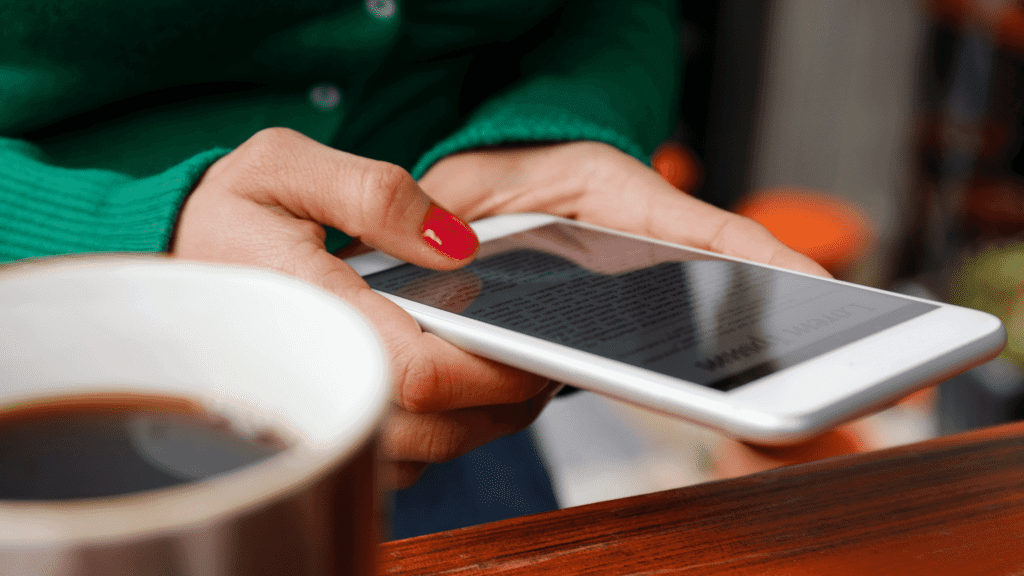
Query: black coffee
{"points": [[96, 446]]}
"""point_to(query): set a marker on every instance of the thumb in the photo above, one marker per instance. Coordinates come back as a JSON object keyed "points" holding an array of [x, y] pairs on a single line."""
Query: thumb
{"points": [[377, 202]]}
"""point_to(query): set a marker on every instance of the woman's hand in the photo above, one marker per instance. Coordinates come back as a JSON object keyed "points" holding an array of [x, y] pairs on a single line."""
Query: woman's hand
{"points": [[597, 183], [263, 205]]}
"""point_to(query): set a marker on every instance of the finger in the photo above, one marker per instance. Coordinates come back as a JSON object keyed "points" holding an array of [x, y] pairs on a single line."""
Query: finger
{"points": [[401, 475], [442, 436], [430, 374], [686, 220], [443, 377], [658, 210], [375, 201]]}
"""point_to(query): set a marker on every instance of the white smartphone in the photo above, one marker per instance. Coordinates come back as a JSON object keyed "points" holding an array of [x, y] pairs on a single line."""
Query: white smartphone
{"points": [[763, 354]]}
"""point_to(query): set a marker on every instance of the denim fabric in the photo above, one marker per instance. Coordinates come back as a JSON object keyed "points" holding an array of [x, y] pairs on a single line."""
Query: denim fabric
{"points": [[500, 480]]}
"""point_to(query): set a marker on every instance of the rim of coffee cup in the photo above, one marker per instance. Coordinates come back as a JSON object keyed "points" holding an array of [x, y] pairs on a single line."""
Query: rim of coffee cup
{"points": [[195, 505]]}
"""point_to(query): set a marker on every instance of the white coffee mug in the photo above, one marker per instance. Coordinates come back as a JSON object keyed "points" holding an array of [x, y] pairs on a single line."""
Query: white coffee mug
{"points": [[261, 349]]}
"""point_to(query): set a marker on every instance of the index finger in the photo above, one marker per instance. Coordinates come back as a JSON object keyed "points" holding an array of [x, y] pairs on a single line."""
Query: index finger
{"points": [[368, 199]]}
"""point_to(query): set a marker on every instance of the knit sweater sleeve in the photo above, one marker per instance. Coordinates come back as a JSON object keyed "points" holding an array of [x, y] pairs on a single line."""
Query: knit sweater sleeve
{"points": [[49, 210], [609, 72]]}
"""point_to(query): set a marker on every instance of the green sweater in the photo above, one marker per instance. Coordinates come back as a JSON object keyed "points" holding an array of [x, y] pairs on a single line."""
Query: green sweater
{"points": [[111, 110]]}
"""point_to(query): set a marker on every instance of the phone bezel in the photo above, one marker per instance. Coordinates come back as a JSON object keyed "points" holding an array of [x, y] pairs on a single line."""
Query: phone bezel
{"points": [[784, 407]]}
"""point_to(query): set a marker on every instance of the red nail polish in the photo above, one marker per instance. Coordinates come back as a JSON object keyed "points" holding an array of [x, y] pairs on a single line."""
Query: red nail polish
{"points": [[448, 235]]}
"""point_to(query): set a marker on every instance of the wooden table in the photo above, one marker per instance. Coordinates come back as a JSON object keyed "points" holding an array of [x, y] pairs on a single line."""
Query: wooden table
{"points": [[952, 505]]}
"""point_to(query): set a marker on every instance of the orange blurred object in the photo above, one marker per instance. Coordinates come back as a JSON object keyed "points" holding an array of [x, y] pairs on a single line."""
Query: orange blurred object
{"points": [[734, 458], [1002, 20], [927, 398], [832, 232], [678, 165]]}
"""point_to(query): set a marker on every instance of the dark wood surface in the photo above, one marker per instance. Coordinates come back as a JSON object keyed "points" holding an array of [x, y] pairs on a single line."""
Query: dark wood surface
{"points": [[953, 505]]}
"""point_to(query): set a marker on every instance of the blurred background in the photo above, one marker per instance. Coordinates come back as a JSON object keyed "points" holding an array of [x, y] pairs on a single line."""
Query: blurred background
{"points": [[883, 139]]}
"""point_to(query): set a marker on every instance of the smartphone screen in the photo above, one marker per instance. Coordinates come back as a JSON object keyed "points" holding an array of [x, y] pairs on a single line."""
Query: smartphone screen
{"points": [[709, 321]]}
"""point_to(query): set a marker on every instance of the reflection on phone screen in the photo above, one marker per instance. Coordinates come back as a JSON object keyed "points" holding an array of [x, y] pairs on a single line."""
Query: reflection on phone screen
{"points": [[709, 321]]}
